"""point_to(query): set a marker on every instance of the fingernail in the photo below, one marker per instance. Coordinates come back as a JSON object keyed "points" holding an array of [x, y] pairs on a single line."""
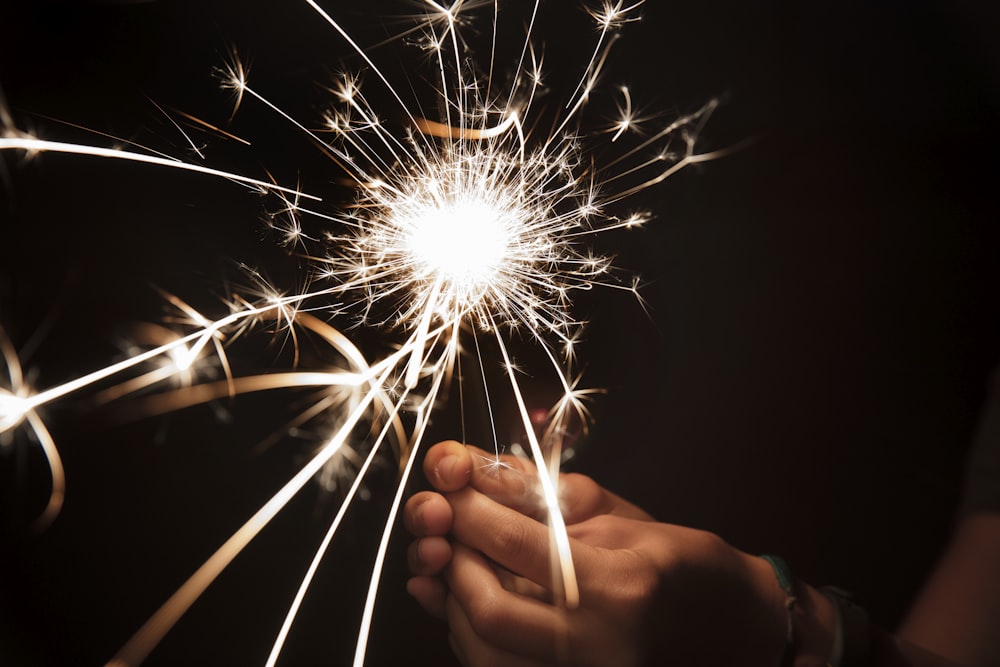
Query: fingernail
{"points": [[446, 468]]}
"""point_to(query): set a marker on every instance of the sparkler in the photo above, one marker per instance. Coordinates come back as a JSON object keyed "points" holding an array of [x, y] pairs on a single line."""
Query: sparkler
{"points": [[464, 228]]}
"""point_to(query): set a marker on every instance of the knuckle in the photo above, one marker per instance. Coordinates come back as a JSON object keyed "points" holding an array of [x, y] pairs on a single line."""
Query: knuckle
{"points": [[604, 524], [638, 587], [511, 537], [575, 494], [575, 482]]}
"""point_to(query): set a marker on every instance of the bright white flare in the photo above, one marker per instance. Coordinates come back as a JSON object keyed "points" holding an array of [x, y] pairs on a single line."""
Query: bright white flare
{"points": [[462, 241], [471, 230]]}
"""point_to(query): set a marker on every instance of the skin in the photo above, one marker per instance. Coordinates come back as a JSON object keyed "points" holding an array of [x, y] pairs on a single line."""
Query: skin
{"points": [[650, 593], [493, 582], [958, 612]]}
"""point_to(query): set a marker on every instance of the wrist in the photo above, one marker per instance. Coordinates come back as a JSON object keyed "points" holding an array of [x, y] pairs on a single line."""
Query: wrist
{"points": [[808, 617], [815, 621]]}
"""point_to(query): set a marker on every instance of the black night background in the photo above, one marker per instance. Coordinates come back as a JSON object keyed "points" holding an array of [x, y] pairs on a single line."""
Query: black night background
{"points": [[823, 307]]}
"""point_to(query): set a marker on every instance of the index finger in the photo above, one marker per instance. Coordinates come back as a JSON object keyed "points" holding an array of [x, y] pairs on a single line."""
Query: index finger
{"points": [[522, 545], [513, 481]]}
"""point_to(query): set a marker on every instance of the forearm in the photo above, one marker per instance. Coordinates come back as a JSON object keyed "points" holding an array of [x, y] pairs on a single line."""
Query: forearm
{"points": [[892, 651], [825, 636], [958, 612], [955, 619]]}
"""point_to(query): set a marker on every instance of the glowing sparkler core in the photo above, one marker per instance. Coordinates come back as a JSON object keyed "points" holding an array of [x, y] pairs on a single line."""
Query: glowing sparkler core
{"points": [[460, 236], [463, 242]]}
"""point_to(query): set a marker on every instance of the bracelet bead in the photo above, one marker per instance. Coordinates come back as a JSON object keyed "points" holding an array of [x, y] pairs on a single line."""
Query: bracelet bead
{"points": [[787, 583]]}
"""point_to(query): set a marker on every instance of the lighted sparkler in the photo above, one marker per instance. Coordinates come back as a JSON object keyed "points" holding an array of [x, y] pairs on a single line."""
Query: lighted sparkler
{"points": [[477, 222]]}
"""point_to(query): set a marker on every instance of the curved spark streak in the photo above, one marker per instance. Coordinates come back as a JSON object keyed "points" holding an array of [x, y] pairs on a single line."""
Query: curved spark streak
{"points": [[445, 131], [361, 52], [43, 146], [203, 393], [300, 594], [150, 634], [114, 369]]}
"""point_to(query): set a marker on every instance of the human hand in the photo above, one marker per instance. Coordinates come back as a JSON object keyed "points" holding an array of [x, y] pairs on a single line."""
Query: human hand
{"points": [[650, 593], [508, 480]]}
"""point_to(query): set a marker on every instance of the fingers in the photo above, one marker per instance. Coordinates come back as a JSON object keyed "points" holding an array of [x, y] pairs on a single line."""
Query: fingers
{"points": [[472, 651], [509, 480], [430, 593], [517, 542], [609, 553], [581, 498], [513, 481], [487, 620], [427, 557], [515, 584], [508, 537], [448, 466], [427, 514]]}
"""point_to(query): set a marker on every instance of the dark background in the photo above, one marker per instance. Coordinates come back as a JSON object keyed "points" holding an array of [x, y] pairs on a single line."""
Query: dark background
{"points": [[824, 312]]}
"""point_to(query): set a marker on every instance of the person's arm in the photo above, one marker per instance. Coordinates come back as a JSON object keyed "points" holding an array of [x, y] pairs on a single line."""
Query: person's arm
{"points": [[958, 612], [651, 593]]}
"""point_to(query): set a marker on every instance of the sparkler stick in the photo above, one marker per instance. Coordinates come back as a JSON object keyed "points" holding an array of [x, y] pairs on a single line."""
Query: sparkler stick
{"points": [[477, 221]]}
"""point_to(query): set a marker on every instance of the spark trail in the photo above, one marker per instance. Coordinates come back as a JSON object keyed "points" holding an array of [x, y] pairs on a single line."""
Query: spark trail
{"points": [[475, 222]]}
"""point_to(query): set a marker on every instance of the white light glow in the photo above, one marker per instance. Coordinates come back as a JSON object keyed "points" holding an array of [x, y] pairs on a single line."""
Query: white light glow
{"points": [[462, 241]]}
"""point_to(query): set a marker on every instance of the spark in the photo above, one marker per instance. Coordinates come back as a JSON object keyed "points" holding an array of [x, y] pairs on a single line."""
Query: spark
{"points": [[615, 14], [33, 146], [478, 221], [17, 406]]}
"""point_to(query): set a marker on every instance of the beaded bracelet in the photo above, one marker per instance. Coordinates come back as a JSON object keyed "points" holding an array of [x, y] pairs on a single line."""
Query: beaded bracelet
{"points": [[852, 633], [852, 636], [787, 583]]}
